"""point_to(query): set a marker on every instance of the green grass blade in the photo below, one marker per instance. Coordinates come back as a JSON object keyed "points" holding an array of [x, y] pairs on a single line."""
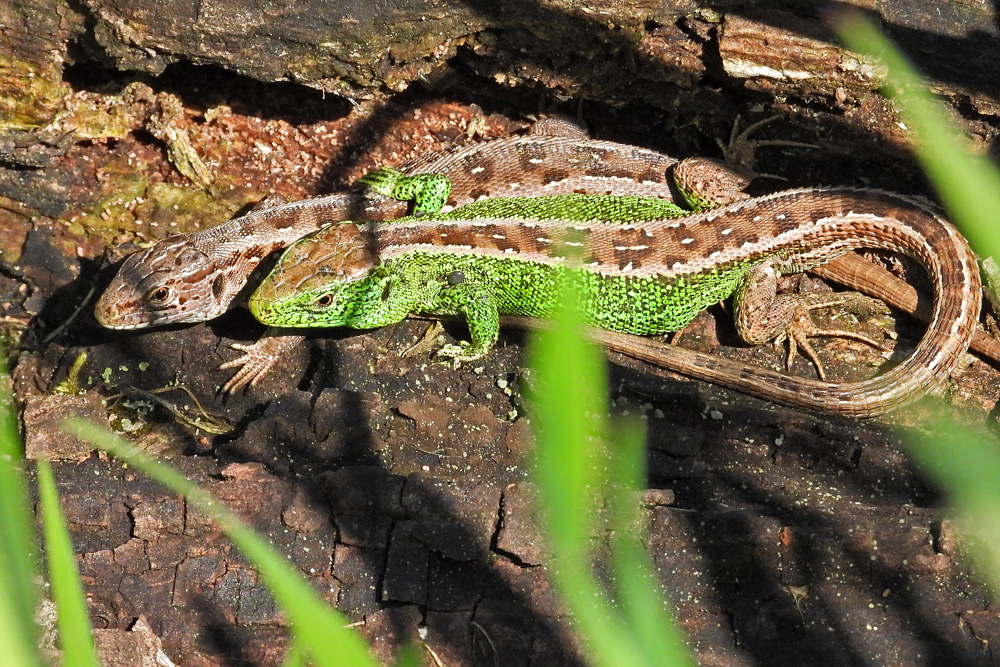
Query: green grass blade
{"points": [[565, 472], [963, 464], [319, 631], [968, 469], [18, 591], [968, 184], [571, 423], [75, 638], [638, 589], [571, 471], [20, 647]]}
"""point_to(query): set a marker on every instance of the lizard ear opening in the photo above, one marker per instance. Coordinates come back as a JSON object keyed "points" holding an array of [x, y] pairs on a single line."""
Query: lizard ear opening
{"points": [[218, 285], [324, 300]]}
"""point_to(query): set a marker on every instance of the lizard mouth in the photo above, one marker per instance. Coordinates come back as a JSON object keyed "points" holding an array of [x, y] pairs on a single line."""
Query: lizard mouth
{"points": [[278, 313], [108, 316], [260, 308]]}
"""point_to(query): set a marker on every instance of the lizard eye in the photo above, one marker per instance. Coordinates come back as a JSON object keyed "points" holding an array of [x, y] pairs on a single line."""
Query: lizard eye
{"points": [[324, 301], [158, 295]]}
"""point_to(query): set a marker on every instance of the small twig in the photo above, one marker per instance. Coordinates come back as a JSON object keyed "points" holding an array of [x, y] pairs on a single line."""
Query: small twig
{"points": [[209, 425], [489, 641], [69, 320]]}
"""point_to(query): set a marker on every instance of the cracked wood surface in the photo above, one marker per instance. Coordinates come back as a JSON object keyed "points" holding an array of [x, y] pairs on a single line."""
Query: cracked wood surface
{"points": [[397, 484]]}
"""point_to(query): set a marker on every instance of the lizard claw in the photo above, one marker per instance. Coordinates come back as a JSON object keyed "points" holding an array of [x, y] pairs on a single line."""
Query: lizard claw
{"points": [[741, 149], [802, 328], [257, 360], [460, 353], [426, 342]]}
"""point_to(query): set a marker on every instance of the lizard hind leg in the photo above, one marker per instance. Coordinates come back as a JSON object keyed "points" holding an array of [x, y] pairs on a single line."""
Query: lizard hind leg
{"points": [[762, 315], [741, 150]]}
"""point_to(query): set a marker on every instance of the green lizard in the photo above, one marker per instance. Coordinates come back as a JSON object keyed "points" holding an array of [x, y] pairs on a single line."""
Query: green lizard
{"points": [[195, 277], [198, 276], [480, 287], [642, 270]]}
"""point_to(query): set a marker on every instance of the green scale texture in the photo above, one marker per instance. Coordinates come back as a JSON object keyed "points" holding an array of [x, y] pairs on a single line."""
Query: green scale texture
{"points": [[428, 192], [481, 287], [569, 208]]}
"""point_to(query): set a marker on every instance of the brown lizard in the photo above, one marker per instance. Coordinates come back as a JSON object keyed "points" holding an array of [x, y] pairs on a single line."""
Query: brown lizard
{"points": [[196, 277]]}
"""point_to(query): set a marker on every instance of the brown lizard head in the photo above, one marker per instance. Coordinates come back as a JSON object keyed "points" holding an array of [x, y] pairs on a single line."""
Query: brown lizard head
{"points": [[171, 282]]}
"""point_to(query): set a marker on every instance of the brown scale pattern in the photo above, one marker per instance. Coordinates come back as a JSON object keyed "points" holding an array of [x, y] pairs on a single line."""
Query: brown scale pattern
{"points": [[503, 167], [791, 231]]}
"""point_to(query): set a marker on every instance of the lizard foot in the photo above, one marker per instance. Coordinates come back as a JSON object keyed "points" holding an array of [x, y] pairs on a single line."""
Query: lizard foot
{"points": [[741, 149], [257, 360], [427, 342], [460, 353], [801, 328], [706, 183]]}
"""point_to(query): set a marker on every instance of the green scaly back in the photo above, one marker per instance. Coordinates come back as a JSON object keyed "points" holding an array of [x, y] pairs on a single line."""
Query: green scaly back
{"points": [[302, 292]]}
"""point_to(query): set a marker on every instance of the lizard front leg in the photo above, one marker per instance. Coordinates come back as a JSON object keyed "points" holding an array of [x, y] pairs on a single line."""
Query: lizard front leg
{"points": [[428, 192], [465, 297], [398, 293], [258, 358]]}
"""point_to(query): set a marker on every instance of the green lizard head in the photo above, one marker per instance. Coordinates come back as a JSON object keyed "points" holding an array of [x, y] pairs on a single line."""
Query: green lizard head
{"points": [[329, 278]]}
